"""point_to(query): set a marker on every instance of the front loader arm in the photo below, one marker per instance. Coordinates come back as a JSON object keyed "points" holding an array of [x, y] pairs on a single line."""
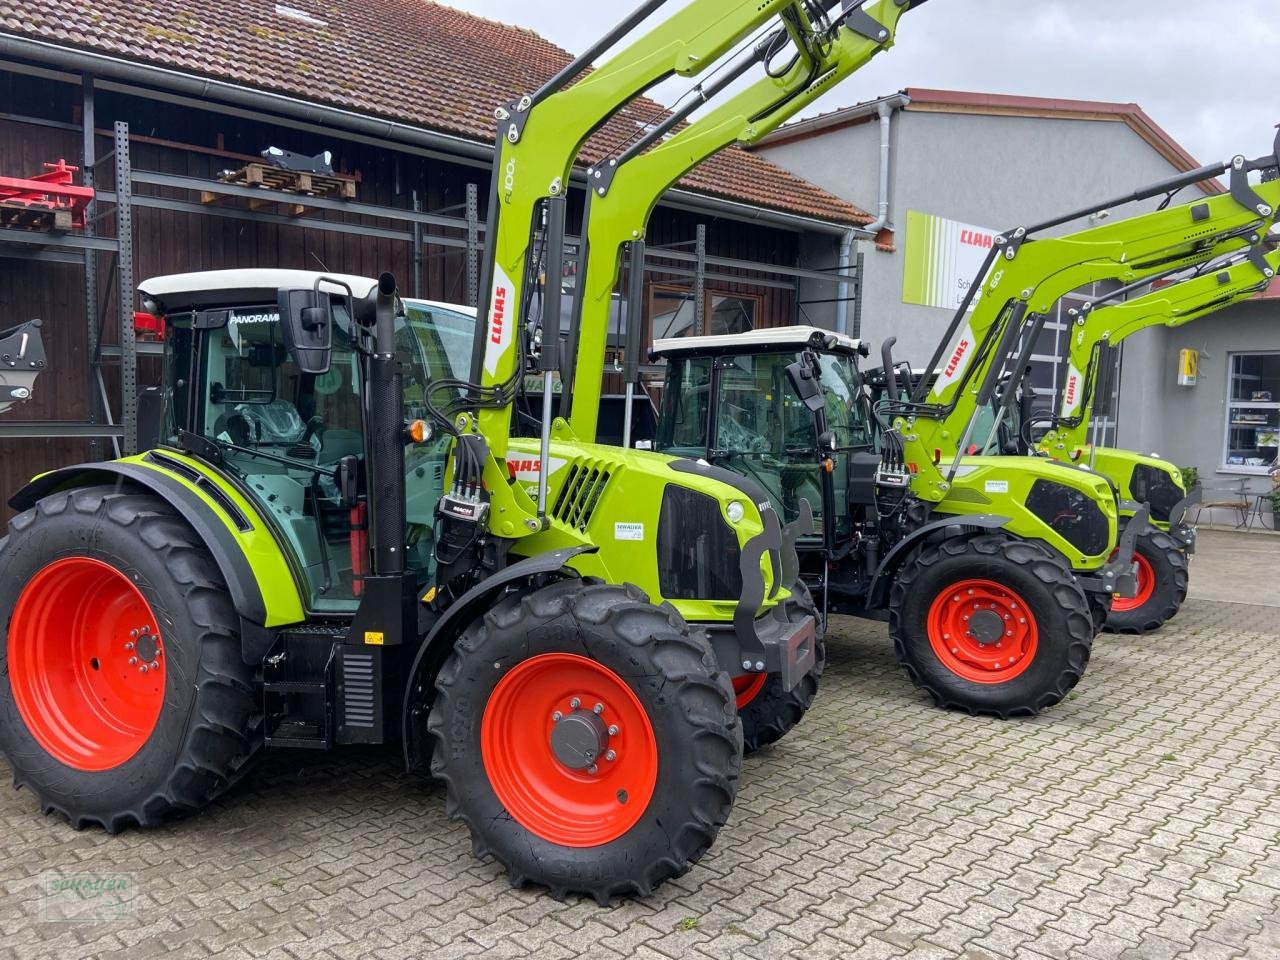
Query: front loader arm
{"points": [[1024, 278], [625, 190], [539, 138], [1206, 293]]}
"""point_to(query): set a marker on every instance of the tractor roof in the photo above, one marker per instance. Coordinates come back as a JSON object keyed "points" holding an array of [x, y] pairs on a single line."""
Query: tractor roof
{"points": [[212, 288], [758, 341]]}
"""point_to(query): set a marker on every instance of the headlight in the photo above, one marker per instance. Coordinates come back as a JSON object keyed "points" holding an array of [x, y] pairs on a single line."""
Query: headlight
{"points": [[735, 511]]}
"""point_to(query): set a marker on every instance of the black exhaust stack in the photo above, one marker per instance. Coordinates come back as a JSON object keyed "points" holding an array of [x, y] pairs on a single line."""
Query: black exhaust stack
{"points": [[388, 609]]}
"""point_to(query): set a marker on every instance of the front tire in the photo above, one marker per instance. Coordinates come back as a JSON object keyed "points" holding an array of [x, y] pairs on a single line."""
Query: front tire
{"points": [[96, 584], [606, 802], [1163, 578], [990, 625]]}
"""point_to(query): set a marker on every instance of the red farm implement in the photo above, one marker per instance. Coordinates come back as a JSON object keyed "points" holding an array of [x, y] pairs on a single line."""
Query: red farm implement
{"points": [[46, 201]]}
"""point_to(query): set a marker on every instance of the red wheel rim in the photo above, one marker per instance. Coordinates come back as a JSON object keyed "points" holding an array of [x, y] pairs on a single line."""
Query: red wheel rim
{"points": [[1146, 587], [747, 687], [982, 631], [80, 636], [556, 695]]}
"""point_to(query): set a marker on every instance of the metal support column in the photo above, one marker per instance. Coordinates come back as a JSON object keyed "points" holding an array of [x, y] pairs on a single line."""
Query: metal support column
{"points": [[473, 245], [89, 157], [417, 248], [700, 283], [124, 270]]}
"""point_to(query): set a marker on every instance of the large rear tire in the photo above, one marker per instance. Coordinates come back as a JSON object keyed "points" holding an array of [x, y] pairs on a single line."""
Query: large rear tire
{"points": [[95, 585], [990, 625], [587, 739], [1163, 578], [768, 712]]}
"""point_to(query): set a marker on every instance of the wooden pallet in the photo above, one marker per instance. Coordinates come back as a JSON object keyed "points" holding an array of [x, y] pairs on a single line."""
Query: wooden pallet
{"points": [[285, 181], [35, 217]]}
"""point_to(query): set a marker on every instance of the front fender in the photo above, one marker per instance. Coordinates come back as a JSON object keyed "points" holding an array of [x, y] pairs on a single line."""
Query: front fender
{"points": [[438, 644], [262, 588], [878, 595]]}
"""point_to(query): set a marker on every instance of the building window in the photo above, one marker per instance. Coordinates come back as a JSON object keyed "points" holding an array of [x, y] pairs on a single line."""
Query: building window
{"points": [[1253, 412]]}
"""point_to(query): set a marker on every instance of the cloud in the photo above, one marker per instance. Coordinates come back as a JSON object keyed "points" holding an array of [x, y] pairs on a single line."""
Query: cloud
{"points": [[1208, 73]]}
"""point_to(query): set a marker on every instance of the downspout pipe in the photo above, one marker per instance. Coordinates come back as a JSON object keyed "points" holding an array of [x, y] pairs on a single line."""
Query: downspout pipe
{"points": [[885, 109]]}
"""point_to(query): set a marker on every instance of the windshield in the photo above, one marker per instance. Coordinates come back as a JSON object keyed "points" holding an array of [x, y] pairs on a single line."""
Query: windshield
{"points": [[742, 413], [848, 408], [442, 342]]}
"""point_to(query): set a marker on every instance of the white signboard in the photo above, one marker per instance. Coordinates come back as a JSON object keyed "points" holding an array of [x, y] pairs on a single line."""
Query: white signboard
{"points": [[941, 259]]}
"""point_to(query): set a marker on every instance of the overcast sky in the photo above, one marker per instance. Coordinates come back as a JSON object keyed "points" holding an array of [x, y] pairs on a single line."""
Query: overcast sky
{"points": [[1209, 73]]}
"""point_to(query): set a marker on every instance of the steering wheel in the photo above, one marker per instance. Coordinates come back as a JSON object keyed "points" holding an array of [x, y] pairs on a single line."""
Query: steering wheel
{"points": [[315, 426], [735, 436]]}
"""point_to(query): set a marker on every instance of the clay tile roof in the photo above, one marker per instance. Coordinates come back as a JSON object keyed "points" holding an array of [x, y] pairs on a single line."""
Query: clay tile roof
{"points": [[407, 60]]}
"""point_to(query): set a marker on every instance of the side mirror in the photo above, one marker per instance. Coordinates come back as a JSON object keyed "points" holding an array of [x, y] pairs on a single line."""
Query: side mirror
{"points": [[805, 384], [347, 479], [306, 317]]}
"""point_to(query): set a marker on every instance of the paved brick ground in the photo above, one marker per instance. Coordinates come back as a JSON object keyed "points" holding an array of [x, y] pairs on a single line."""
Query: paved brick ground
{"points": [[1141, 818]]}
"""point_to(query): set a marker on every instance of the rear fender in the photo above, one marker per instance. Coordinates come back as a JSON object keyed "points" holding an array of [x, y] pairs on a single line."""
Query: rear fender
{"points": [[262, 588], [437, 646]]}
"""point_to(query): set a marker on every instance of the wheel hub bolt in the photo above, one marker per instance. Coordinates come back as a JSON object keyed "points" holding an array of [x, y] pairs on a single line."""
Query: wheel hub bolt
{"points": [[557, 716], [598, 709], [129, 645], [133, 661], [155, 666], [134, 634], [611, 755], [575, 703], [613, 730], [143, 668], [593, 769]]}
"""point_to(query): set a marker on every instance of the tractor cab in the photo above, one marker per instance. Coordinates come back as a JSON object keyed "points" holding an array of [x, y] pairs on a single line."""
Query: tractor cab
{"points": [[731, 401], [294, 441]]}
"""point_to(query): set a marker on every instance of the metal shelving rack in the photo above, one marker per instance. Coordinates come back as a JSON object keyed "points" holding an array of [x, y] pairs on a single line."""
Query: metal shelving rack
{"points": [[458, 228], [82, 249]]}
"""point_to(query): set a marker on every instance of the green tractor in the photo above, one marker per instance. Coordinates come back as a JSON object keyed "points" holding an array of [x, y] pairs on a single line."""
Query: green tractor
{"points": [[1218, 258], [1087, 393], [925, 517], [985, 614], [336, 540]]}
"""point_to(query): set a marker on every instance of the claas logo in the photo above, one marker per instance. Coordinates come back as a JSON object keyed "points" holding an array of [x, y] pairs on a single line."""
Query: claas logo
{"points": [[1073, 385], [956, 357], [517, 467], [499, 314]]}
